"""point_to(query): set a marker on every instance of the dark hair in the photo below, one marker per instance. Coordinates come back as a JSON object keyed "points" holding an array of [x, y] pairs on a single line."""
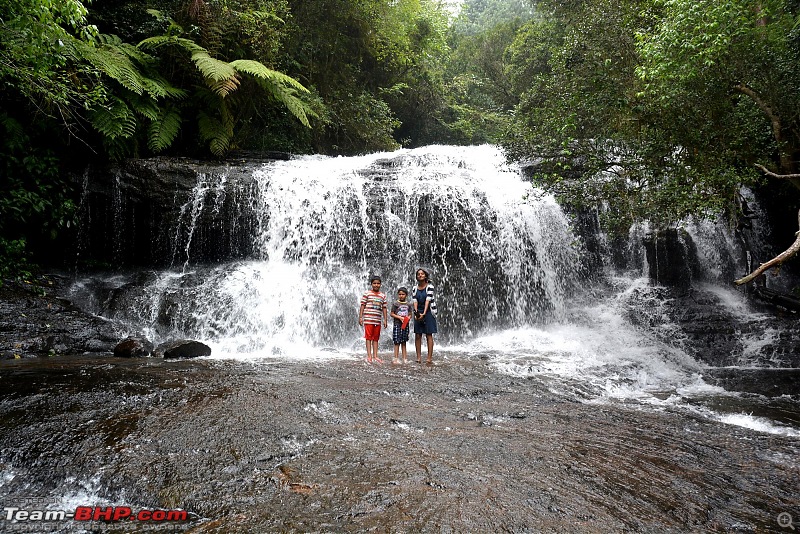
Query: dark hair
{"points": [[427, 276], [373, 278], [403, 289]]}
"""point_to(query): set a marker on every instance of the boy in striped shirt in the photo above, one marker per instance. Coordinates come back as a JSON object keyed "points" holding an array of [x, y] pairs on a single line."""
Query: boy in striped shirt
{"points": [[373, 308]]}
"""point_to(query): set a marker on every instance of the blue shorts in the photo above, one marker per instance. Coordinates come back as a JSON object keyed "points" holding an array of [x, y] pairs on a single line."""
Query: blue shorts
{"points": [[399, 335]]}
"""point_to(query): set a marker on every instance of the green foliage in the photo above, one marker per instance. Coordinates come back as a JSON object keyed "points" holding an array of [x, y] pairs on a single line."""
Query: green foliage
{"points": [[480, 95], [14, 263], [34, 199], [721, 61], [373, 65], [656, 110], [163, 128], [216, 121]]}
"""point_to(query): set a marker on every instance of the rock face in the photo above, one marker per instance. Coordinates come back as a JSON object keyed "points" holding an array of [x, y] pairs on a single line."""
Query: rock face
{"points": [[35, 322], [671, 258], [157, 212], [700, 323]]}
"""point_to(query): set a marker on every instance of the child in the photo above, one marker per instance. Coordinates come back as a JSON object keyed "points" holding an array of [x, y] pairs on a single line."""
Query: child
{"points": [[373, 307], [401, 311]]}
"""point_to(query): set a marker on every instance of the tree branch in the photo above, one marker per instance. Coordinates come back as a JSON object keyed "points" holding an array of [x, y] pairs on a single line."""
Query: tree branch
{"points": [[770, 173], [777, 126], [773, 118], [777, 260]]}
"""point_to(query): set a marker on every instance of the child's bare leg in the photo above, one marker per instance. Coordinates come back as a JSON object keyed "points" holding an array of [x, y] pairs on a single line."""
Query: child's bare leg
{"points": [[396, 350], [405, 354], [375, 352], [430, 348], [418, 346], [369, 351]]}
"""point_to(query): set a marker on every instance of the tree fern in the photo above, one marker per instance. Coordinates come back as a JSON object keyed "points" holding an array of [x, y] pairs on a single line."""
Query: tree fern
{"points": [[282, 87], [217, 132], [212, 68], [163, 130], [215, 120], [257, 69], [114, 63], [160, 41], [114, 119]]}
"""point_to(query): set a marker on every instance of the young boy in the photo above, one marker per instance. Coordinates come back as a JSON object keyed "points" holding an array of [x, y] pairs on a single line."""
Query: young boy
{"points": [[373, 307], [401, 312]]}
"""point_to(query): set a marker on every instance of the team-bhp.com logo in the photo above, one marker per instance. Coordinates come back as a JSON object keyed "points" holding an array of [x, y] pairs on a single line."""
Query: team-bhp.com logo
{"points": [[94, 513]]}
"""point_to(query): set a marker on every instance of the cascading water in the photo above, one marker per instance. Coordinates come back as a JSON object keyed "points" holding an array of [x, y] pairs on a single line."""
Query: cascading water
{"points": [[559, 398], [507, 268], [323, 225]]}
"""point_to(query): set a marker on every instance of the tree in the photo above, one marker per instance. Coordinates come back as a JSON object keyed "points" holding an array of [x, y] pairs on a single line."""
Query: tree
{"points": [[480, 95], [659, 110], [732, 68], [372, 63], [220, 79]]}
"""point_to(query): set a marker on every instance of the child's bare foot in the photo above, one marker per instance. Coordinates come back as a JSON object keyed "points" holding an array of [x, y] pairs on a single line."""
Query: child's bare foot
{"points": [[378, 359], [429, 362], [394, 361]]}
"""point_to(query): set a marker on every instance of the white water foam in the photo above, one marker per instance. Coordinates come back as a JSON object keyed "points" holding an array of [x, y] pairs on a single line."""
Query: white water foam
{"points": [[501, 254]]}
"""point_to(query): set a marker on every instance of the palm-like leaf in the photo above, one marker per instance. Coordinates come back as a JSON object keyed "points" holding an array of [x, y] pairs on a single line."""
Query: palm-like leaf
{"points": [[163, 130], [114, 120], [212, 68], [218, 132], [282, 87]]}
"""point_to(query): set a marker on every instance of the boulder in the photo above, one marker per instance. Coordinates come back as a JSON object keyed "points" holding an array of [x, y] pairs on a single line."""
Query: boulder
{"points": [[133, 347], [182, 348]]}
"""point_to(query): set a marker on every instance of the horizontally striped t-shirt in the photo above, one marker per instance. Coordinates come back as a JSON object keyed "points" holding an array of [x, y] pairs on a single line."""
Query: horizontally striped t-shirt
{"points": [[374, 304]]}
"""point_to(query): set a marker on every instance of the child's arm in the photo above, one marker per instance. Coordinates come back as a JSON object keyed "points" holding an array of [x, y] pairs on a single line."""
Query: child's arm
{"points": [[427, 304], [385, 315], [361, 314]]}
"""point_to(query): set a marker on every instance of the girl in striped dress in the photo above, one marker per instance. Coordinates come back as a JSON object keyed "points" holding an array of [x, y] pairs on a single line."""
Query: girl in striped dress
{"points": [[422, 297]]}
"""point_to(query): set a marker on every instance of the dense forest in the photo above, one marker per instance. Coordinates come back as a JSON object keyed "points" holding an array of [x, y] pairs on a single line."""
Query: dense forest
{"points": [[655, 109]]}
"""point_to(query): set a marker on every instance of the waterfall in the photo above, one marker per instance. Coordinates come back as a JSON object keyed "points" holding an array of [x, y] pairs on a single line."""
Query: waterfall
{"points": [[500, 253], [514, 286]]}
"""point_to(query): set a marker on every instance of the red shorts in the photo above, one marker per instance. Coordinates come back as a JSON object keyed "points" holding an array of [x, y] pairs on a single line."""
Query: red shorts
{"points": [[372, 332]]}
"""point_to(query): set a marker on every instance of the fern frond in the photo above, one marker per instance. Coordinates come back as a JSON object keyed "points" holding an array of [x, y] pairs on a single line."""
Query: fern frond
{"points": [[158, 87], [224, 87], [164, 129], [281, 86], [259, 70], [212, 68], [217, 132], [287, 97], [112, 62], [262, 16], [115, 120], [160, 41], [144, 106]]}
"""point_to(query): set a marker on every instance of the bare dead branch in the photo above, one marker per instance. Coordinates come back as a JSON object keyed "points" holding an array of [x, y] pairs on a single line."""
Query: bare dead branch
{"points": [[777, 260], [774, 175]]}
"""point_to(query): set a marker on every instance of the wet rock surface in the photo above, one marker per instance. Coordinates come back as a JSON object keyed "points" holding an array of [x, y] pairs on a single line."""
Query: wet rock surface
{"points": [[699, 322], [342, 446], [36, 321]]}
